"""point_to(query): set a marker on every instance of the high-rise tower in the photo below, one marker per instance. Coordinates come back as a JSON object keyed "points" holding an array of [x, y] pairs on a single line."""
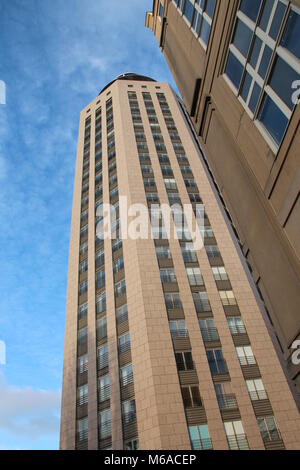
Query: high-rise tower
{"points": [[237, 67], [165, 346]]}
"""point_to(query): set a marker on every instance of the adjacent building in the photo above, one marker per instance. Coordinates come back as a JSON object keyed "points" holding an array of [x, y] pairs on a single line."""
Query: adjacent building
{"points": [[165, 346], [237, 66]]}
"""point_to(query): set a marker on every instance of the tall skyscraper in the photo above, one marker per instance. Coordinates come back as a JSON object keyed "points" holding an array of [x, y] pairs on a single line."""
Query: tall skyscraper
{"points": [[237, 66], [165, 346]]}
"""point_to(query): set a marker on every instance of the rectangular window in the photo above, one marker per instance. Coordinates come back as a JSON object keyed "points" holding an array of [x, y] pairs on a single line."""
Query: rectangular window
{"points": [[83, 287], [201, 302], [200, 437], [82, 395], [122, 314], [216, 361], [82, 363], [256, 389], [236, 437], [132, 444], [191, 396], [83, 310], [104, 424], [100, 279], [82, 429], [124, 342], [263, 64], [236, 325], [102, 356], [178, 329], [219, 273], [120, 288], [184, 360], [172, 300], [227, 297], [268, 428], [128, 411], [194, 276], [167, 275], [208, 330], [126, 375], [245, 355], [101, 327], [101, 303], [104, 388]]}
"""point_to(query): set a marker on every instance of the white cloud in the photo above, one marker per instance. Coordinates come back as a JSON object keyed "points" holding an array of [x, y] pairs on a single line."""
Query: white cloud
{"points": [[28, 412]]}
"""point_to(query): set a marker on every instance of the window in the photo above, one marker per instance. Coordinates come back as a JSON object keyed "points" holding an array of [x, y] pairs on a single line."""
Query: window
{"points": [[167, 275], [236, 435], [83, 266], [245, 355], [82, 335], [201, 302], [200, 17], [226, 399], [208, 330], [82, 363], [83, 310], [170, 183], [118, 264], [100, 258], [82, 429], [189, 256], [122, 313], [219, 273], [263, 63], [216, 361], [172, 300], [102, 356], [104, 388], [268, 428], [184, 360], [128, 411], [163, 252], [133, 444], [191, 396], [104, 424], [212, 251], [178, 329], [82, 395], [236, 325], [126, 375], [84, 231], [100, 279], [124, 342], [120, 288], [101, 303], [194, 276], [101, 328], [256, 389], [227, 297], [200, 437], [83, 287]]}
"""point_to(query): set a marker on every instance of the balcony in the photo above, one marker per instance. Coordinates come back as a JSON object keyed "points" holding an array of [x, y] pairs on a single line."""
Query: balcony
{"points": [[258, 395], [179, 334], [227, 402], [124, 347], [105, 430], [82, 400], [238, 442], [247, 360], [129, 417], [201, 444], [104, 393], [127, 380], [210, 334], [102, 361]]}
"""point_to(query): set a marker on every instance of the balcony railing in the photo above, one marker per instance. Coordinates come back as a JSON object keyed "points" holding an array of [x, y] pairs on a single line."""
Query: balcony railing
{"points": [[124, 347], [227, 402], [238, 442], [83, 368], [210, 334], [201, 444], [104, 393], [82, 436], [179, 334], [127, 380], [105, 430], [102, 361], [122, 317], [247, 360], [129, 417], [271, 435], [217, 367], [82, 400]]}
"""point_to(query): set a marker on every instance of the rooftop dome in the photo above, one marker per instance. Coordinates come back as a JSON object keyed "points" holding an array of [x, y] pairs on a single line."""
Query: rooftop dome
{"points": [[129, 76]]}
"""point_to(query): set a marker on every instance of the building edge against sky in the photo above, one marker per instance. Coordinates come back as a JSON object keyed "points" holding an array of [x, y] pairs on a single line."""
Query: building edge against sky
{"points": [[228, 60], [165, 348]]}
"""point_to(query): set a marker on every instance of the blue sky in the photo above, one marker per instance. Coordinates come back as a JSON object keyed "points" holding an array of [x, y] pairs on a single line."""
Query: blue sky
{"points": [[55, 58]]}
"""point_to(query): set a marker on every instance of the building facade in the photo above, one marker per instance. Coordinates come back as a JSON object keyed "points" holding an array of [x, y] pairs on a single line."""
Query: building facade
{"points": [[165, 346], [237, 66]]}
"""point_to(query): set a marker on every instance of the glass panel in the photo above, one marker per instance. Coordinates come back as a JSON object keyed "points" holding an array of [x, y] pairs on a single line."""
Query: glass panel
{"points": [[242, 37], [254, 98], [205, 31], [278, 17], [250, 8], [264, 21], [234, 70], [291, 36], [264, 64], [255, 51], [273, 119], [283, 88]]}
